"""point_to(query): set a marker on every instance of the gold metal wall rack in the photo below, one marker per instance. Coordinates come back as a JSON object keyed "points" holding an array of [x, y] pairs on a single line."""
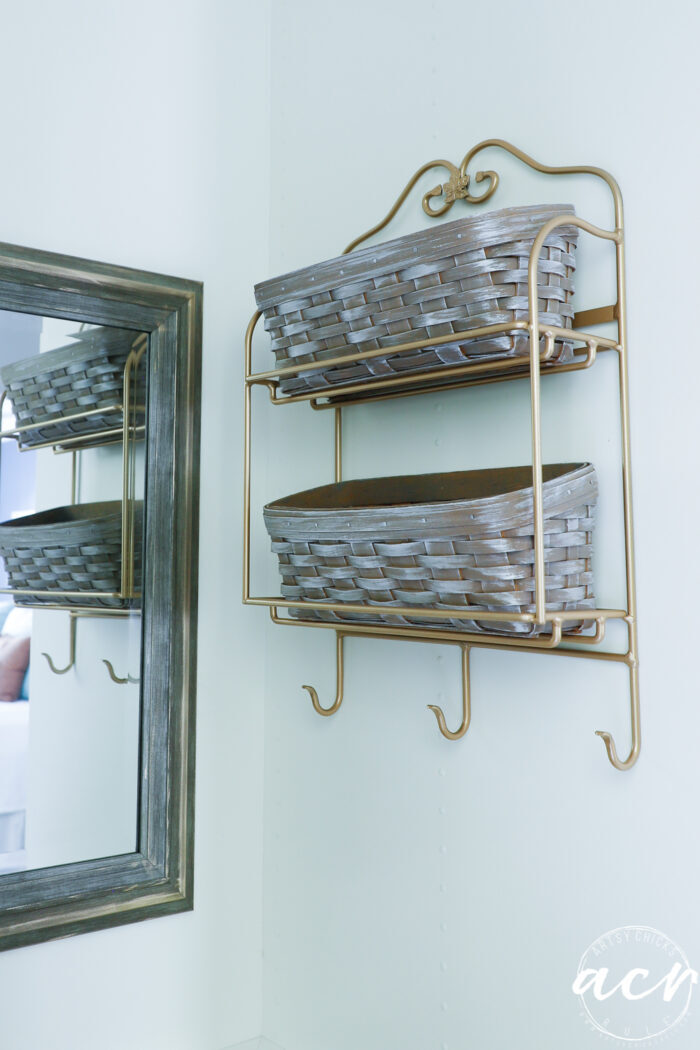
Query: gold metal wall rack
{"points": [[587, 348], [126, 431]]}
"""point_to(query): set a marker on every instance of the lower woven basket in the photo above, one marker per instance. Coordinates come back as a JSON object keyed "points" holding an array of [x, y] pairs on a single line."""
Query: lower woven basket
{"points": [[75, 548], [462, 541]]}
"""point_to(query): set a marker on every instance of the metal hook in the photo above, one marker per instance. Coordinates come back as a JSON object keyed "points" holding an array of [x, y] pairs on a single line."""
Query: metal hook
{"points": [[71, 652], [115, 677], [466, 704], [325, 711], [607, 739]]}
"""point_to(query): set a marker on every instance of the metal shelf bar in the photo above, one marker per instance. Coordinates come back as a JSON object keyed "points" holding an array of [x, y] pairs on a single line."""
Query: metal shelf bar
{"points": [[86, 611], [102, 439], [480, 364], [482, 641], [72, 417], [435, 383], [93, 439], [463, 613]]}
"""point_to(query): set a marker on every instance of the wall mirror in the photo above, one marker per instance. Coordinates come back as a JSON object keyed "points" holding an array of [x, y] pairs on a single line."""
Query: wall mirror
{"points": [[99, 453]]}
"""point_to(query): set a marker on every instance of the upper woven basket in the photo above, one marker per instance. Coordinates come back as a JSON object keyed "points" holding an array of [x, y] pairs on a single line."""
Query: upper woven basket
{"points": [[449, 278], [86, 376]]}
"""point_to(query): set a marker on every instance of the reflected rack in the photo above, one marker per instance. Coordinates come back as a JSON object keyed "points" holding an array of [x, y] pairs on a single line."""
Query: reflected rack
{"points": [[126, 430], [587, 347]]}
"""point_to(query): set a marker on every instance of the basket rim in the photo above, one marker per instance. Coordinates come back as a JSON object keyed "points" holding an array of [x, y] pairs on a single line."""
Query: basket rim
{"points": [[467, 234], [571, 485], [39, 529]]}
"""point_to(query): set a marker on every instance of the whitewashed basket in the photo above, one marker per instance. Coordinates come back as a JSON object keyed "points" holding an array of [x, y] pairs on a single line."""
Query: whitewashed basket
{"points": [[85, 376], [74, 548], [449, 278], [462, 541]]}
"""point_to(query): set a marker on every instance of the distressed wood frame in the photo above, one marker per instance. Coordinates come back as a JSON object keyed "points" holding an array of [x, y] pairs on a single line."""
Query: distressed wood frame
{"points": [[158, 878]]}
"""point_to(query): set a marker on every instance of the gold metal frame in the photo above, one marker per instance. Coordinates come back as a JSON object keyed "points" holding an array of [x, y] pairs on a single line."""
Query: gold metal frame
{"points": [[536, 367]]}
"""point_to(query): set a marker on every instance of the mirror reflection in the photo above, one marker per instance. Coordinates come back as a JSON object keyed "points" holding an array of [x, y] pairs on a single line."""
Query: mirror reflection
{"points": [[72, 472]]}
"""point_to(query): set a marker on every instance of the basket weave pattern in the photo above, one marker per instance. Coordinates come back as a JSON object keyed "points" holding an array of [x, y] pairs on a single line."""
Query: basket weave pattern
{"points": [[474, 281], [479, 568], [82, 377], [77, 556]]}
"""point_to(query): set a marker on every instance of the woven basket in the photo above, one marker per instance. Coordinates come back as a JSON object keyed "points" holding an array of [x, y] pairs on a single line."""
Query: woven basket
{"points": [[446, 279], [85, 376], [462, 541], [76, 548]]}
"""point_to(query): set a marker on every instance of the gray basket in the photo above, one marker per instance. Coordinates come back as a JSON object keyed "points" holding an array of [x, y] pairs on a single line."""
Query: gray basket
{"points": [[75, 548], [85, 376], [462, 541], [449, 278]]}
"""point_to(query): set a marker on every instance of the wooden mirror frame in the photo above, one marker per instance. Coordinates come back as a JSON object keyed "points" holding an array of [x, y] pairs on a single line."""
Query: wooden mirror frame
{"points": [[157, 879]]}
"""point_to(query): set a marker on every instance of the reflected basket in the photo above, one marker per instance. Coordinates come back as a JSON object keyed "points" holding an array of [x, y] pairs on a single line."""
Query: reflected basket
{"points": [[74, 548], [450, 278], [461, 541], [86, 376]]}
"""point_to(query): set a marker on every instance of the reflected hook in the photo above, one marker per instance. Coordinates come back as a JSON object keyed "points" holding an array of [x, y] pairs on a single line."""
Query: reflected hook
{"points": [[466, 704], [71, 652], [325, 711], [627, 763], [115, 677]]}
